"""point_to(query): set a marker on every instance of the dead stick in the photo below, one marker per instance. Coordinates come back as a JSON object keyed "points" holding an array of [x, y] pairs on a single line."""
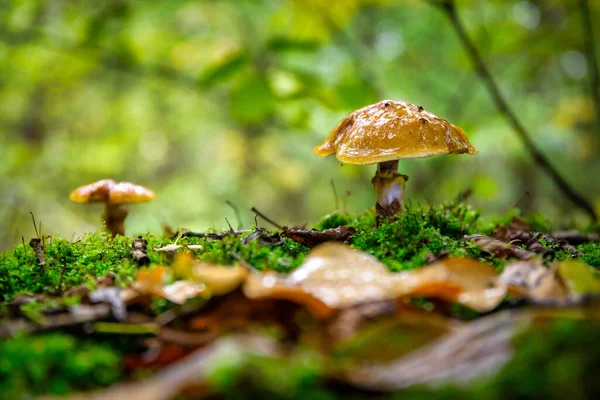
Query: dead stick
{"points": [[38, 249], [450, 9], [263, 216], [217, 236]]}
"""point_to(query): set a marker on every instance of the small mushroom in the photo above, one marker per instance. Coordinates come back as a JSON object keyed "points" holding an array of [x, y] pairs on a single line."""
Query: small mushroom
{"points": [[113, 195], [384, 132]]}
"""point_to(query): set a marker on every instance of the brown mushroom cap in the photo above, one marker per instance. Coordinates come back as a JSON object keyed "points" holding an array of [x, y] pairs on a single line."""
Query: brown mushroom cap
{"points": [[390, 130], [111, 192]]}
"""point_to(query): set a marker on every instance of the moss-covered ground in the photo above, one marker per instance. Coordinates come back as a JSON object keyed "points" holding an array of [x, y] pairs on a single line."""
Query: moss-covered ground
{"points": [[59, 362]]}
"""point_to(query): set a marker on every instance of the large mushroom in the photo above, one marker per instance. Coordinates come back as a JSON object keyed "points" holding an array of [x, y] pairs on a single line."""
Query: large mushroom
{"points": [[113, 195], [384, 132]]}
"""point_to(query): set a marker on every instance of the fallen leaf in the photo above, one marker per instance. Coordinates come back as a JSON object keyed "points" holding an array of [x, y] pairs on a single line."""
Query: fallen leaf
{"points": [[468, 354], [462, 280], [534, 281], [519, 233], [313, 237], [219, 279], [578, 277], [152, 281], [359, 338], [334, 276], [181, 291], [112, 296], [498, 248]]}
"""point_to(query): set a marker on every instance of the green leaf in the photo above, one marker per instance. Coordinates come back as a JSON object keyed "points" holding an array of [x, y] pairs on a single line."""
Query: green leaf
{"points": [[252, 101], [578, 277], [356, 94], [223, 70], [282, 43]]}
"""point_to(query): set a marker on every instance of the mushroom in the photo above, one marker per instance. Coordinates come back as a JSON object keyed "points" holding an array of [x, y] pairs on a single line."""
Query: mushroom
{"points": [[113, 195], [384, 132]]}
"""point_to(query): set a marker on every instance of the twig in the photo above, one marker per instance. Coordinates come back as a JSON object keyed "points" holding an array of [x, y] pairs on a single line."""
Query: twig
{"points": [[590, 54], [217, 235], [38, 249], [37, 234], [236, 211], [540, 159], [263, 216], [228, 224]]}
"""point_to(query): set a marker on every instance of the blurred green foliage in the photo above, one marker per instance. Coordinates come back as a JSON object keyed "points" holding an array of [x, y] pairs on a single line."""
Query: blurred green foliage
{"points": [[55, 364], [550, 362], [208, 101]]}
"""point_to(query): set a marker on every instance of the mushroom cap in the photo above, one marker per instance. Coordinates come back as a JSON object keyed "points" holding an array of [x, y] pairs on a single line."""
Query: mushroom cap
{"points": [[111, 192], [390, 130]]}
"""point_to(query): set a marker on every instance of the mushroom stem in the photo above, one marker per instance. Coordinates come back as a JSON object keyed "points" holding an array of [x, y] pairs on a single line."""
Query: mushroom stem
{"points": [[114, 219], [389, 188]]}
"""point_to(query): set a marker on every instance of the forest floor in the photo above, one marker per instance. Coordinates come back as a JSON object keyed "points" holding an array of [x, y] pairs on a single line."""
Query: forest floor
{"points": [[437, 303]]}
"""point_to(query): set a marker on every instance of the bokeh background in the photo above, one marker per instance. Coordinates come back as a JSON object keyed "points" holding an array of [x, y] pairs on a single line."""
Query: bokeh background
{"points": [[209, 101]]}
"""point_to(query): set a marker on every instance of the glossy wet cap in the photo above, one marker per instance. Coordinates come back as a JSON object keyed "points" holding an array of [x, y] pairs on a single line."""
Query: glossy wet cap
{"points": [[390, 130], [109, 191]]}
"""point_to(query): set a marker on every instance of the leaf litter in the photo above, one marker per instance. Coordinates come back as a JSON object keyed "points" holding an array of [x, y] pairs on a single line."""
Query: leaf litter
{"points": [[342, 302]]}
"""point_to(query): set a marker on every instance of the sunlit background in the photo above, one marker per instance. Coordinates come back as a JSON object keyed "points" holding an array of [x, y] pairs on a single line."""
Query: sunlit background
{"points": [[209, 101]]}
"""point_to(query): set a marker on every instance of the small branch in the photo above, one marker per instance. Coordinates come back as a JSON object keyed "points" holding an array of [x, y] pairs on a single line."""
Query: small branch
{"points": [[263, 216], [36, 245], [590, 54], [216, 236], [540, 159]]}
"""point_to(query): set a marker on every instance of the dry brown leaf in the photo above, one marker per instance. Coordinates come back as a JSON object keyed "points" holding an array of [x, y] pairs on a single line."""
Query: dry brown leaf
{"points": [[462, 280], [313, 237], [498, 248], [334, 276], [219, 279], [152, 281], [533, 280]]}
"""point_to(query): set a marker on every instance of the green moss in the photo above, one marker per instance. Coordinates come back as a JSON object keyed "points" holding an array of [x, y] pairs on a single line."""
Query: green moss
{"points": [[55, 364], [418, 232], [591, 254], [402, 244], [67, 263], [334, 220]]}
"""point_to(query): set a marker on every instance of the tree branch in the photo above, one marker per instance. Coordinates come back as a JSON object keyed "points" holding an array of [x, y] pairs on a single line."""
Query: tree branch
{"points": [[482, 70], [590, 54]]}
